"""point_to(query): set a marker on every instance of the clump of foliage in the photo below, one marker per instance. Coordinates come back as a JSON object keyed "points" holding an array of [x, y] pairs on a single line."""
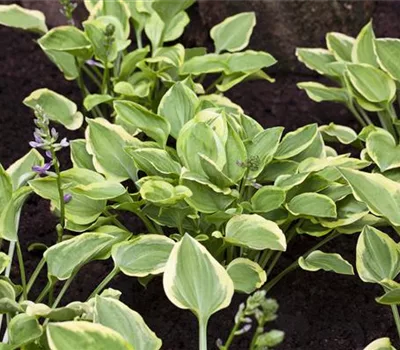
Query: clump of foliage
{"points": [[365, 73], [220, 196]]}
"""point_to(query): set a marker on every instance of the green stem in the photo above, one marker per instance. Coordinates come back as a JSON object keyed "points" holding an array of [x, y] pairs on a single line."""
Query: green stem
{"points": [[231, 336], [147, 222], [295, 264], [214, 84], [220, 249], [360, 119], [44, 292], [386, 120], [35, 274], [273, 262], [396, 317], [117, 64], [291, 233], [203, 334], [259, 330], [139, 43], [115, 221], [243, 184], [61, 294], [92, 76], [63, 290], [11, 250], [230, 254], [365, 115], [266, 255], [115, 271], [104, 85], [22, 271], [60, 227]]}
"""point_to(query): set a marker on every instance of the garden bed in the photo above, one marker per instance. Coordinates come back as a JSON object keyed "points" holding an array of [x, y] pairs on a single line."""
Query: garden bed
{"points": [[317, 310]]}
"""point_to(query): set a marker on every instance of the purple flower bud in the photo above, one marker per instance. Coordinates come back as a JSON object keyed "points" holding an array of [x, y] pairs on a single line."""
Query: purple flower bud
{"points": [[67, 197], [64, 142], [37, 137], [41, 170], [49, 155], [54, 133], [93, 63], [35, 144]]}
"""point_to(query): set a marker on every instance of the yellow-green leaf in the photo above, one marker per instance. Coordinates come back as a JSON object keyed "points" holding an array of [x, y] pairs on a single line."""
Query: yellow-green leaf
{"points": [[18, 17]]}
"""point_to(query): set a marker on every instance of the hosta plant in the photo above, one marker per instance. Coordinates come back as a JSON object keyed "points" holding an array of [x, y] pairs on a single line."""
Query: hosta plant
{"points": [[99, 56], [220, 196], [364, 73], [377, 253]]}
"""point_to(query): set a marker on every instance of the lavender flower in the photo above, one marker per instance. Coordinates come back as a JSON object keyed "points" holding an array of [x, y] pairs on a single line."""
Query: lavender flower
{"points": [[64, 143], [42, 170], [67, 197], [94, 63], [54, 133], [44, 137]]}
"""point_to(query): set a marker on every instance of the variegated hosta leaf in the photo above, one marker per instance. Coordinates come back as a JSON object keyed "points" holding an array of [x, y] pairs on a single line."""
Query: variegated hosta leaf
{"points": [[364, 47], [373, 84], [296, 141], [380, 194], [387, 50], [79, 155], [254, 232], [142, 256], [6, 188], [9, 217], [333, 132], [115, 315], [312, 204], [57, 107], [378, 256], [194, 280], [247, 276], [74, 335], [318, 260], [392, 297], [178, 106], [383, 150], [268, 198], [65, 313], [106, 143], [233, 34], [162, 193], [137, 116], [80, 209], [4, 261], [380, 344], [319, 92], [67, 39], [316, 59], [101, 190], [206, 197], [155, 162], [340, 45], [20, 172], [18, 17], [23, 329], [65, 257]]}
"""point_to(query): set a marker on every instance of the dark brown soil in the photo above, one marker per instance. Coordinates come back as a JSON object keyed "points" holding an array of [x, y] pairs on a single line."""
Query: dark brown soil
{"points": [[318, 310]]}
